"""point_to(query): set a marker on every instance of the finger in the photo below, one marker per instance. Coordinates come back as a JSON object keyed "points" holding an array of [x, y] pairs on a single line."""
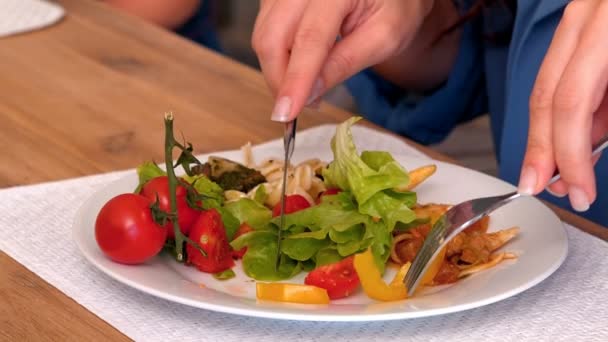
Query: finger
{"points": [[313, 39], [271, 39], [539, 163], [558, 189], [264, 9], [577, 97], [357, 51], [600, 121]]}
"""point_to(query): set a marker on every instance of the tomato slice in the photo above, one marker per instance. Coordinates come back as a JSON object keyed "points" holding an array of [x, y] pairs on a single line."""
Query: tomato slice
{"points": [[209, 233], [339, 279], [159, 188], [293, 203], [243, 229]]}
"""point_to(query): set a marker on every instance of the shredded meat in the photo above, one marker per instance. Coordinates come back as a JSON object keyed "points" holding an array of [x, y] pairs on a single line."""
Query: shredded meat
{"points": [[448, 273]]}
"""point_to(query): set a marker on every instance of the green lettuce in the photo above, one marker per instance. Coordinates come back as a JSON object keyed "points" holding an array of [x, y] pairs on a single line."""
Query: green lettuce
{"points": [[212, 194], [147, 171], [351, 173], [246, 210], [302, 249], [260, 261], [371, 178], [260, 195], [213, 198], [363, 215]]}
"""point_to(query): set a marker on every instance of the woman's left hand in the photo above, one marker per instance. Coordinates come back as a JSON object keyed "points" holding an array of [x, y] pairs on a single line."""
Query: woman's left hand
{"points": [[569, 106]]}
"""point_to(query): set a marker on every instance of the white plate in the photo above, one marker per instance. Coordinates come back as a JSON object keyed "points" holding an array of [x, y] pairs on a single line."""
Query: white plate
{"points": [[542, 246]]}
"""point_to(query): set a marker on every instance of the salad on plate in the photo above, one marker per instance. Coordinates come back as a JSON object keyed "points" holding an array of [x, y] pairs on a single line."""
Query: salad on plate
{"points": [[347, 221]]}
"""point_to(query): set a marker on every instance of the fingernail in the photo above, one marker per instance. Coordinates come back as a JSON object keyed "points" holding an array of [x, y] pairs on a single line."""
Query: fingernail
{"points": [[578, 198], [556, 194], [315, 92], [281, 110], [527, 181]]}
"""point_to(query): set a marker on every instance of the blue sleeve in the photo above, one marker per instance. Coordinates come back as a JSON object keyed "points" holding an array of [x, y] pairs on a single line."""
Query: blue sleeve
{"points": [[429, 118], [200, 28]]}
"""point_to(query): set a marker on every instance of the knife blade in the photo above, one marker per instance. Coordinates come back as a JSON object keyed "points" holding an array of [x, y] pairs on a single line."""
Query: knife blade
{"points": [[289, 139]]}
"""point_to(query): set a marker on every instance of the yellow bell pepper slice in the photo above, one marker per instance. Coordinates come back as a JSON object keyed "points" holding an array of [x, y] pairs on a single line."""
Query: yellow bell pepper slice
{"points": [[433, 269], [292, 293], [398, 279], [371, 280]]}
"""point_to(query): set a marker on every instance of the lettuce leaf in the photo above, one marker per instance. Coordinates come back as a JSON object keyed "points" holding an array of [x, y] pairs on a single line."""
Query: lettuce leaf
{"points": [[261, 258], [327, 255], [260, 195], [213, 194], [370, 178], [147, 171], [361, 216], [350, 172], [246, 210], [213, 198], [302, 249]]}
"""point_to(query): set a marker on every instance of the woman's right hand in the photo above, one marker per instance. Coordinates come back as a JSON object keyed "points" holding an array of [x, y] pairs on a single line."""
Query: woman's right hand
{"points": [[300, 56]]}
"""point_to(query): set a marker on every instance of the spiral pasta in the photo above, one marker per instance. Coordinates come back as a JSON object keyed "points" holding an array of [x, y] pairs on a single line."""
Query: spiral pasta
{"points": [[302, 179]]}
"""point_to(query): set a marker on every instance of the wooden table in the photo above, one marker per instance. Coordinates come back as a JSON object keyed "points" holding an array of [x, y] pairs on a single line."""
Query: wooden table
{"points": [[87, 96]]}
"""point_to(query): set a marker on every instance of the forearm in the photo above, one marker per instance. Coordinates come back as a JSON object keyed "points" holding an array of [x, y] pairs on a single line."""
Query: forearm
{"points": [[427, 62], [166, 13]]}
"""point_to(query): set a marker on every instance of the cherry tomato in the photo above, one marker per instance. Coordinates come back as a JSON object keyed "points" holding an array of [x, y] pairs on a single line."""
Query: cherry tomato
{"points": [[186, 215], [243, 229], [209, 233], [339, 279], [328, 192], [293, 203], [126, 232]]}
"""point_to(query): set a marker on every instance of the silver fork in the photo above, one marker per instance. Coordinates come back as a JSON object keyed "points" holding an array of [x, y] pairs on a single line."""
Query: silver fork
{"points": [[457, 219]]}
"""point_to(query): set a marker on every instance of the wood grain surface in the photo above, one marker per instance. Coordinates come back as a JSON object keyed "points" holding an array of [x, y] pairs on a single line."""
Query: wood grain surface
{"points": [[87, 96]]}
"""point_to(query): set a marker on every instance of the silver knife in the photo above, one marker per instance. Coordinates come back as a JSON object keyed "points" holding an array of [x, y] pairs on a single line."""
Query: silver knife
{"points": [[289, 141]]}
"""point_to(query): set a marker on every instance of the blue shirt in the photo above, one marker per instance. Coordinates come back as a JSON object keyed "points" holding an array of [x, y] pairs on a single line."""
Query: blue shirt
{"points": [[487, 77]]}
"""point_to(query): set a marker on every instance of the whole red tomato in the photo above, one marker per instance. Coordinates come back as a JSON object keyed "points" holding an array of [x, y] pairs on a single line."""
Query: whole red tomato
{"points": [[243, 229], [293, 203], [209, 233], [186, 215], [339, 279], [126, 232]]}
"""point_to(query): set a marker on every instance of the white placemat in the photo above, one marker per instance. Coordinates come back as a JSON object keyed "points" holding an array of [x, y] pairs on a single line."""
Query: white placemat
{"points": [[36, 222], [18, 16]]}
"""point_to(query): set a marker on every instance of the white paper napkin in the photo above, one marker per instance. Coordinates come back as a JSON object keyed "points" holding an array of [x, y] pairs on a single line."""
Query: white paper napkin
{"points": [[35, 229], [18, 16]]}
